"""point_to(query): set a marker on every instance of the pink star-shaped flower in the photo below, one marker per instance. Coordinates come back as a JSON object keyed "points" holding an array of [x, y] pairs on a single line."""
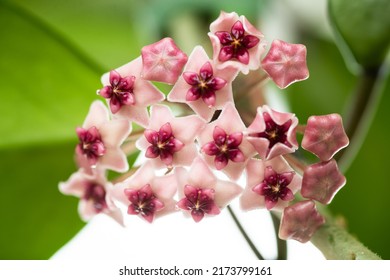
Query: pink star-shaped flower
{"points": [[132, 94], [162, 61], [145, 194], [94, 194], [100, 140], [203, 87], [270, 184], [300, 221], [201, 193], [236, 42], [223, 144], [170, 141], [324, 136], [272, 133], [286, 63], [321, 181]]}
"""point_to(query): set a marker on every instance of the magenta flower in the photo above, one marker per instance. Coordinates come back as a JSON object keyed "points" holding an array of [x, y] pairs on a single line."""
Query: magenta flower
{"points": [[129, 95], [120, 92], [169, 141], [270, 184], [201, 192], [236, 42], [203, 87], [324, 136], [321, 181], [300, 221], [162, 61], [146, 195], [93, 192], [223, 144], [286, 63], [272, 133], [100, 141]]}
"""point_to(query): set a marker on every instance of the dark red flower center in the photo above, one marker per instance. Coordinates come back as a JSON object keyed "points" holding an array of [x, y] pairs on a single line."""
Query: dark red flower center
{"points": [[203, 84], [97, 195], [274, 187], [225, 147], [91, 144], [235, 44], [273, 132], [199, 202], [143, 202], [120, 91], [164, 143]]}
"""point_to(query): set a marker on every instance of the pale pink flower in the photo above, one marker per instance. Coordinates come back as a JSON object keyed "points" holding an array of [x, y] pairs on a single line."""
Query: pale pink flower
{"points": [[203, 87], [162, 61], [145, 194], [236, 42], [128, 94], [300, 221], [168, 140], [94, 193], [270, 184], [100, 140], [324, 136], [201, 193], [273, 133], [321, 181], [223, 144], [286, 63]]}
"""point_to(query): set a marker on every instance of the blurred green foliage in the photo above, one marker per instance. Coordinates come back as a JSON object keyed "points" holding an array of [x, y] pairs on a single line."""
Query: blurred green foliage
{"points": [[52, 56]]}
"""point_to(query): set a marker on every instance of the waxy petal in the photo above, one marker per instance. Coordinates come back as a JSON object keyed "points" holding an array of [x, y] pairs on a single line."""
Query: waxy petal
{"points": [[162, 61], [321, 181], [286, 63], [300, 221], [324, 136]]}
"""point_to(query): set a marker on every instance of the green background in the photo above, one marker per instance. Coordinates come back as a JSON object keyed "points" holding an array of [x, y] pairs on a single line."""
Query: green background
{"points": [[52, 54]]}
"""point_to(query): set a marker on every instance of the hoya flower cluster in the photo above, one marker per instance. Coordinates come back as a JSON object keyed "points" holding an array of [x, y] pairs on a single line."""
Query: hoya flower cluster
{"points": [[184, 154]]}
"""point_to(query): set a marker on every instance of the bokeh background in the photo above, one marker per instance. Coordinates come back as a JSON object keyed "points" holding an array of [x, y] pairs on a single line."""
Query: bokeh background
{"points": [[52, 54]]}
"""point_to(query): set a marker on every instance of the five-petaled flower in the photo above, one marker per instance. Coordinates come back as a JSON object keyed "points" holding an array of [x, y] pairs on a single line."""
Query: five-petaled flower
{"points": [[270, 184], [321, 181], [203, 87], [236, 42], [93, 191], [169, 141], [324, 136], [145, 194], [201, 192], [139, 93], [162, 61], [100, 140], [300, 221], [272, 133], [223, 143], [285, 63]]}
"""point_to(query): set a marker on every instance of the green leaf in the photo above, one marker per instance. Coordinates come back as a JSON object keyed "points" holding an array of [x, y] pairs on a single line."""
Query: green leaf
{"points": [[364, 28], [48, 84]]}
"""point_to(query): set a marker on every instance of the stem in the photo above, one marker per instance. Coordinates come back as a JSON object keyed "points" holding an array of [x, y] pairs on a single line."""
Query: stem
{"points": [[281, 244], [337, 244], [361, 112], [244, 234]]}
